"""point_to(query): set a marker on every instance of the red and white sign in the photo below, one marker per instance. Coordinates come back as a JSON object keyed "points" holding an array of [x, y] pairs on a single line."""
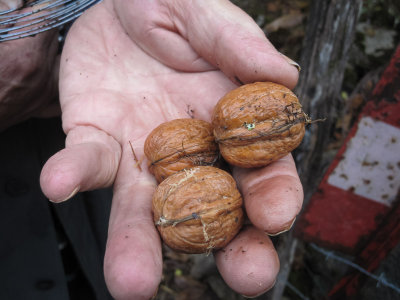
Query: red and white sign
{"points": [[361, 185], [370, 166], [356, 207]]}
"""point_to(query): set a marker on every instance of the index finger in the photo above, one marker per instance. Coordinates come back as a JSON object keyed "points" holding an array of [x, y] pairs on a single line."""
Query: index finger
{"points": [[133, 259]]}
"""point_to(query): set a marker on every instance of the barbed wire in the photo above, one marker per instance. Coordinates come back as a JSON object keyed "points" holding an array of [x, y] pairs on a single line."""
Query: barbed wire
{"points": [[296, 291], [381, 279]]}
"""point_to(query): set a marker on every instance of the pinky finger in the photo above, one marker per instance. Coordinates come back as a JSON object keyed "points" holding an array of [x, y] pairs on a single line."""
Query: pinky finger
{"points": [[249, 264]]}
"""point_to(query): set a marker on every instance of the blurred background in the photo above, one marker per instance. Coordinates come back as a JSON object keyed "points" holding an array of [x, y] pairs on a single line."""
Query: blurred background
{"points": [[346, 242]]}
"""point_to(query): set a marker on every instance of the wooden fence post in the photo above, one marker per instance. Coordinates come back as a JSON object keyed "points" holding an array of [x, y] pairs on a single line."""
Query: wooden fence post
{"points": [[329, 35]]}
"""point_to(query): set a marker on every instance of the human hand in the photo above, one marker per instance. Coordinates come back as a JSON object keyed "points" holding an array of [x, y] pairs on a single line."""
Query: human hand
{"points": [[29, 75], [128, 66]]}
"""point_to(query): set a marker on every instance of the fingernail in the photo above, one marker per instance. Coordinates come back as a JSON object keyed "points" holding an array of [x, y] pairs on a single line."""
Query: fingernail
{"points": [[263, 292], [284, 230], [250, 297], [291, 62], [74, 192]]}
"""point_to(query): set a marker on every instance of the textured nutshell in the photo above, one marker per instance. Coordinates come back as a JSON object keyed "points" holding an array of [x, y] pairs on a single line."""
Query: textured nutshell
{"points": [[258, 123], [197, 210], [180, 144]]}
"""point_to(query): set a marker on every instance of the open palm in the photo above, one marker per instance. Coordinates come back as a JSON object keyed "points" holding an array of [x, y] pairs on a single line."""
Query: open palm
{"points": [[127, 67]]}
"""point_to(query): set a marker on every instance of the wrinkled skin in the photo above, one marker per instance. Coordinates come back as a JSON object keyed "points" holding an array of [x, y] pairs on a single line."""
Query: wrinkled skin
{"points": [[128, 66], [29, 75]]}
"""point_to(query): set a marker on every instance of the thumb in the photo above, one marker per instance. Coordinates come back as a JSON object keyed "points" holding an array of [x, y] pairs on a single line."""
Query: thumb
{"points": [[89, 161]]}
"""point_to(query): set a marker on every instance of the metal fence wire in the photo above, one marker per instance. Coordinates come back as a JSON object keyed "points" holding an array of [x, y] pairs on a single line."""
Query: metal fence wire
{"points": [[38, 16], [381, 280]]}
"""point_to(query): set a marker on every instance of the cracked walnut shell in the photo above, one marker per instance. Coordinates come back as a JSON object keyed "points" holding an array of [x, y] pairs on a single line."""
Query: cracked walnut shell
{"points": [[180, 144], [197, 210], [258, 123]]}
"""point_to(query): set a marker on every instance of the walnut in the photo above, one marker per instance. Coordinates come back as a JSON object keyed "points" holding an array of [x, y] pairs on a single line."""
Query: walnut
{"points": [[180, 144], [258, 123], [197, 210]]}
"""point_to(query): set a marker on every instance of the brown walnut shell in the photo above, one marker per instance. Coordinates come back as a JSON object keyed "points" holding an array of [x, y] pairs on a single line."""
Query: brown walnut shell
{"points": [[180, 144], [258, 123], [197, 210]]}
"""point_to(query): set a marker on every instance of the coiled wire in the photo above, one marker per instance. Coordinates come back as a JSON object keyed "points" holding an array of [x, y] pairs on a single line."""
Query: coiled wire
{"points": [[38, 16]]}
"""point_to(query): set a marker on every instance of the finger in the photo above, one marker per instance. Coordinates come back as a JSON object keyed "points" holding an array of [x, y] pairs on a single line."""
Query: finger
{"points": [[230, 39], [203, 33], [150, 25], [89, 161], [273, 194], [249, 264], [133, 260], [23, 95]]}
